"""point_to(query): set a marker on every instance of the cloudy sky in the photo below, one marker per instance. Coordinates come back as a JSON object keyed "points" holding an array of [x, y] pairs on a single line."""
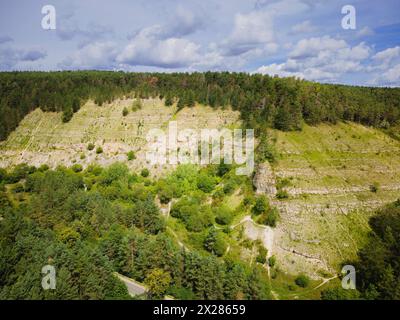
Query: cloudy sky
{"points": [[302, 38]]}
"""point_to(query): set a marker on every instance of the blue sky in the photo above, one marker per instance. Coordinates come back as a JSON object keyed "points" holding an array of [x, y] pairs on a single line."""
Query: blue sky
{"points": [[302, 38]]}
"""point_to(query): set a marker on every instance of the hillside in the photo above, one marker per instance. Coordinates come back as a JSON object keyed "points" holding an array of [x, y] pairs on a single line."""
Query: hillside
{"points": [[326, 173]]}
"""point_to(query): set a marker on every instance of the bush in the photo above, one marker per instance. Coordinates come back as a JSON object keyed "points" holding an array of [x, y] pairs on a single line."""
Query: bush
{"points": [[261, 205], [44, 167], [3, 174], [145, 173], [67, 115], [215, 243], [77, 167], [223, 215], [131, 155], [18, 188], [302, 281], [136, 105], [229, 187], [205, 183], [90, 146], [282, 194], [262, 255], [272, 261], [99, 150], [165, 196], [374, 187], [125, 112], [270, 218]]}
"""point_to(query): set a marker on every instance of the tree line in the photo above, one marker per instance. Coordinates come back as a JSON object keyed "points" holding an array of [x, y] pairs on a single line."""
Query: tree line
{"points": [[263, 101]]}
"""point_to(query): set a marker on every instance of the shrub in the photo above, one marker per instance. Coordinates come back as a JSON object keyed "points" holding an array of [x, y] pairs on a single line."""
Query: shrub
{"points": [[136, 105], [205, 183], [270, 218], [131, 155], [145, 173], [44, 167], [125, 111], [302, 281], [262, 255], [90, 146], [215, 243], [261, 205], [18, 188], [77, 167], [282, 194], [99, 150], [223, 215], [229, 187], [67, 115], [165, 196], [82, 156], [272, 261], [374, 187], [3, 174]]}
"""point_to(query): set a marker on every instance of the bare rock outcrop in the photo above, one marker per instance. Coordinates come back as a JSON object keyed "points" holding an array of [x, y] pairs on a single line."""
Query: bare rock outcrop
{"points": [[264, 180]]}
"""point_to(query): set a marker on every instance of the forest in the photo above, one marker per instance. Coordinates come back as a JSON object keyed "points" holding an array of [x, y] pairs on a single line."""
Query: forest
{"points": [[263, 101], [91, 223]]}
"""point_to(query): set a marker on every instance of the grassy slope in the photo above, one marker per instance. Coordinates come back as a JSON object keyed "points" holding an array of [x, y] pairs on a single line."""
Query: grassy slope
{"points": [[331, 169]]}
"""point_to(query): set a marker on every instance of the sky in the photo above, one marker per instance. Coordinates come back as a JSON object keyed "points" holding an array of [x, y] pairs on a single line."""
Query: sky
{"points": [[301, 38]]}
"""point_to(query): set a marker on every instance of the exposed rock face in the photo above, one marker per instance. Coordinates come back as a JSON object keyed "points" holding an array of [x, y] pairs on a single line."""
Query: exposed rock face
{"points": [[264, 180]]}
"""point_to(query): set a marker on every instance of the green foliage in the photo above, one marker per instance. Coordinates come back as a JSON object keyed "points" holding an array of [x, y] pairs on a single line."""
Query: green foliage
{"points": [[99, 150], [158, 282], [196, 217], [205, 182], [282, 194], [263, 101], [67, 115], [125, 112], [302, 281], [77, 167], [169, 101], [262, 255], [131, 155], [145, 173], [272, 261], [136, 105], [214, 242], [377, 271], [338, 293], [223, 215], [269, 218], [90, 146], [261, 205], [374, 187]]}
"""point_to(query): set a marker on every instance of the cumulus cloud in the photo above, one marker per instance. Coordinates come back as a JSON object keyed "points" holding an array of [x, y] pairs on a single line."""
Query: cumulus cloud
{"points": [[149, 48], [96, 55], [365, 32], [320, 59], [252, 33]]}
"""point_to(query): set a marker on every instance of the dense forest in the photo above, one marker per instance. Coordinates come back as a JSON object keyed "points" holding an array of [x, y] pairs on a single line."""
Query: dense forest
{"points": [[378, 266], [263, 101], [93, 222]]}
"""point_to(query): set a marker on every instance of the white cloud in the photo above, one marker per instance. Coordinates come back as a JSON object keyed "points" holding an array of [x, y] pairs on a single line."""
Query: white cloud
{"points": [[321, 59], [98, 54], [388, 55], [146, 48], [304, 27], [365, 32], [251, 31]]}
